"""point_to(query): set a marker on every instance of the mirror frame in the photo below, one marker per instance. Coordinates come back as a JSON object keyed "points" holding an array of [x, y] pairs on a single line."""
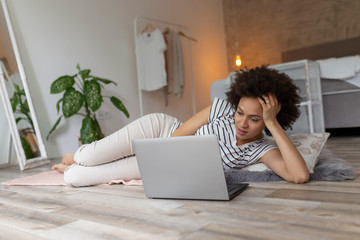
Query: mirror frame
{"points": [[7, 143], [23, 162]]}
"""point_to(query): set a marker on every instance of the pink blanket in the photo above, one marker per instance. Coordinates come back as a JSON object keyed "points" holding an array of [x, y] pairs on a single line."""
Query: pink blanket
{"points": [[54, 178]]}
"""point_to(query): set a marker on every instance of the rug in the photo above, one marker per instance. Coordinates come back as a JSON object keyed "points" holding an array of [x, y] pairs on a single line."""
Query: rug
{"points": [[54, 178], [328, 168], [48, 178]]}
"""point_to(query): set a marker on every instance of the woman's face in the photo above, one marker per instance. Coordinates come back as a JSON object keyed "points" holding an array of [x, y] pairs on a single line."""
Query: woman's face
{"points": [[249, 121]]}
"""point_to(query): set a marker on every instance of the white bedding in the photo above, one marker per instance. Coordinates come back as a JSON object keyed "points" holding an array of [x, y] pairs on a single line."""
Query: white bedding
{"points": [[355, 80], [344, 68]]}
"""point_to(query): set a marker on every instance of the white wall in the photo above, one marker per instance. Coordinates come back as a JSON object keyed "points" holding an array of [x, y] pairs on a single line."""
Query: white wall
{"points": [[54, 35]]}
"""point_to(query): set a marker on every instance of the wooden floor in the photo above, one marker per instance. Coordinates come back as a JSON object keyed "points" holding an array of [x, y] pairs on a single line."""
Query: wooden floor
{"points": [[276, 210]]}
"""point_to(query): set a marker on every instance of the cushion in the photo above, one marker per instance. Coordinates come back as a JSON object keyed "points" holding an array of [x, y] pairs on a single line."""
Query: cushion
{"points": [[309, 145]]}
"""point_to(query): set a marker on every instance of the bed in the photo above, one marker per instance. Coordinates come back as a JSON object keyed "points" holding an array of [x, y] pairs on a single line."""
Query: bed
{"points": [[341, 99]]}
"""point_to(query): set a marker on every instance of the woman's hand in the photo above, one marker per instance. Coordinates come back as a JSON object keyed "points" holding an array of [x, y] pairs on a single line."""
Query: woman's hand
{"points": [[271, 108]]}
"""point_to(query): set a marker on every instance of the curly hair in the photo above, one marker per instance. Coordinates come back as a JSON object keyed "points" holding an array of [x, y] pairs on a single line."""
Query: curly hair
{"points": [[260, 81]]}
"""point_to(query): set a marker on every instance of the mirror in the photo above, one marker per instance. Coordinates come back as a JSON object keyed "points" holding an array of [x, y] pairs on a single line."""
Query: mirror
{"points": [[18, 107]]}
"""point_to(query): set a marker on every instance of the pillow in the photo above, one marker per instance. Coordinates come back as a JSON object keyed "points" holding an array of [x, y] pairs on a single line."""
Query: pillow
{"points": [[309, 145]]}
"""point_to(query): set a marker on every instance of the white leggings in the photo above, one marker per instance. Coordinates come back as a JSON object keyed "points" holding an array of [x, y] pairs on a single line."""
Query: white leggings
{"points": [[113, 157]]}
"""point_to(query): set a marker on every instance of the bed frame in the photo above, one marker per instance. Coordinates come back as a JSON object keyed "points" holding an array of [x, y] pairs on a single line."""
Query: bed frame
{"points": [[339, 48]]}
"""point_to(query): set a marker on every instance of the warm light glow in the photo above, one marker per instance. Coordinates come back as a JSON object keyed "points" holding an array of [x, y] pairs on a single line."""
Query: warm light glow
{"points": [[238, 60]]}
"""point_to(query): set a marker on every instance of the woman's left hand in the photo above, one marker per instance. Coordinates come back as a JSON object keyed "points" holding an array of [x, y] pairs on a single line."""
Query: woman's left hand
{"points": [[271, 108]]}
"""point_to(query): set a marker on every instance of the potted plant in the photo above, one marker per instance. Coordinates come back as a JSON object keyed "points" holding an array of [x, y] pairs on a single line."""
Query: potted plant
{"points": [[83, 91], [20, 107]]}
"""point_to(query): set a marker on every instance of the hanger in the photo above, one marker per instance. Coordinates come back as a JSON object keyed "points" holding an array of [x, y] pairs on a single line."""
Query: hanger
{"points": [[166, 31], [148, 28], [181, 33]]}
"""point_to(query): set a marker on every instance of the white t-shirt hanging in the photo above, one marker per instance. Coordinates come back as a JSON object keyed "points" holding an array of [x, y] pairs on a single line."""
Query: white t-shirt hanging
{"points": [[152, 73]]}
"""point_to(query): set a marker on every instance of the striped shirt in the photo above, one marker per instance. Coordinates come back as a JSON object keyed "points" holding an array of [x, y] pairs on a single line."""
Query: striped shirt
{"points": [[222, 124]]}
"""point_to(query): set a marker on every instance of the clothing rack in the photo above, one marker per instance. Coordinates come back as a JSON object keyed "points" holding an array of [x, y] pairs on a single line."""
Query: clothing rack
{"points": [[184, 33]]}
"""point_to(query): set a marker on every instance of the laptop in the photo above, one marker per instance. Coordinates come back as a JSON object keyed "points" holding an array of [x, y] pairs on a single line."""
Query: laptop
{"points": [[186, 167]]}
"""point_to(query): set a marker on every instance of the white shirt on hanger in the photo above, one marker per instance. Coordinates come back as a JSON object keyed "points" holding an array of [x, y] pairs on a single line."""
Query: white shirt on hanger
{"points": [[152, 73]]}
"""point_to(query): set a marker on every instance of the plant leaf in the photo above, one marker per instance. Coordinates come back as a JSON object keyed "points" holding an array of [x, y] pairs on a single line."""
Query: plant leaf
{"points": [[15, 100], [54, 127], [27, 148], [19, 119], [24, 108], [119, 105], [99, 132], [72, 102], [103, 80], [88, 131], [58, 105], [84, 73], [92, 93], [17, 88], [61, 84]]}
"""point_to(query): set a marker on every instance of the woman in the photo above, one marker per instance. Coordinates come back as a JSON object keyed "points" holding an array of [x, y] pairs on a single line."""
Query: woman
{"points": [[259, 99]]}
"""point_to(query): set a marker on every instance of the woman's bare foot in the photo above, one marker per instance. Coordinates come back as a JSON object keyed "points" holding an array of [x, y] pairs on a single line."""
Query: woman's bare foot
{"points": [[68, 159], [60, 167]]}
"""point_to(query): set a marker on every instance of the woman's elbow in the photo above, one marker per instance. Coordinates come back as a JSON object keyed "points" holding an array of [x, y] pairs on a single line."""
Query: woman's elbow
{"points": [[301, 178]]}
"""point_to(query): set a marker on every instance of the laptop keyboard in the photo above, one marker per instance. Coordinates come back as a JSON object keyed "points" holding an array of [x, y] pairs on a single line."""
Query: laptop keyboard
{"points": [[233, 188]]}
